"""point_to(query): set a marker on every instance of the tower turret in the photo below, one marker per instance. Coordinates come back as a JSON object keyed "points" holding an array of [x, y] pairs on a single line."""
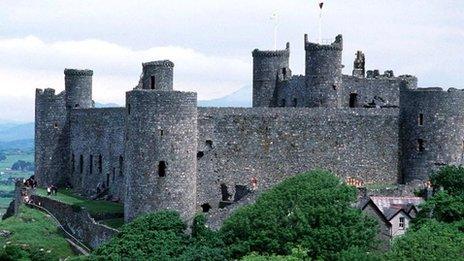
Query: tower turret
{"points": [[78, 86], [161, 148], [324, 72], [359, 65], [157, 75], [267, 66]]}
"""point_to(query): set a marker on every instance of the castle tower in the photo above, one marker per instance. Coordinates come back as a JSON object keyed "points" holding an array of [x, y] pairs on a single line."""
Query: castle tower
{"points": [[267, 65], [51, 138], [431, 131], [158, 75], [78, 86], [160, 148], [324, 72]]}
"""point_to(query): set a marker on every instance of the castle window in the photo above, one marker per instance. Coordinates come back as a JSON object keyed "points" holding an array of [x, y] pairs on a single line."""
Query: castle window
{"points": [[200, 154], [353, 100], [161, 132], [73, 163], [295, 102], [77, 105], [420, 145], [152, 82], [128, 108], [282, 104], [91, 164], [121, 165], [162, 169], [100, 163], [421, 119], [284, 72], [209, 144], [55, 125], [225, 192], [334, 87], [206, 207], [81, 164]]}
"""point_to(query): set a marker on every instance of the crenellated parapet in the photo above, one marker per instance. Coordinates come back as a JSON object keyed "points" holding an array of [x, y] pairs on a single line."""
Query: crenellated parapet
{"points": [[337, 45]]}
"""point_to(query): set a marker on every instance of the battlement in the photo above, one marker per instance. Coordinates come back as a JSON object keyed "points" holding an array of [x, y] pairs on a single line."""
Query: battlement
{"points": [[164, 63], [337, 45], [276, 53], [76, 72]]}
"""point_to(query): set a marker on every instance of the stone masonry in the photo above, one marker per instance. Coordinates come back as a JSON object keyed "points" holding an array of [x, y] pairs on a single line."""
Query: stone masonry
{"points": [[161, 151]]}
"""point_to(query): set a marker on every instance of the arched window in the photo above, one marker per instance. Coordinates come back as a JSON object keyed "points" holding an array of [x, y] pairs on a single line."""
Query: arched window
{"points": [[295, 102], [152, 82], [353, 100]]}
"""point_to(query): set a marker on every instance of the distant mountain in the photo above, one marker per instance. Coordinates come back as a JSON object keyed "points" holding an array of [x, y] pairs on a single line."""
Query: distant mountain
{"points": [[10, 132], [240, 98], [27, 144]]}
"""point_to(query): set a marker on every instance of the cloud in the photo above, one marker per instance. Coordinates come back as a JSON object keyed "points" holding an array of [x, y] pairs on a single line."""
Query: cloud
{"points": [[31, 63]]}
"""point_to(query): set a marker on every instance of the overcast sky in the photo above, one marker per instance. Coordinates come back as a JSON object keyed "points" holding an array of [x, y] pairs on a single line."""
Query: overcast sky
{"points": [[211, 42]]}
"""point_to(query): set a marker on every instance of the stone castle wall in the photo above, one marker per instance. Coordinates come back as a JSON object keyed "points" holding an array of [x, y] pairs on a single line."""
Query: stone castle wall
{"points": [[271, 144], [97, 150]]}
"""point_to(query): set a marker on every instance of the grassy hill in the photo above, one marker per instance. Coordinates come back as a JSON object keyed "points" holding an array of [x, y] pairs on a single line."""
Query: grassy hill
{"points": [[36, 233]]}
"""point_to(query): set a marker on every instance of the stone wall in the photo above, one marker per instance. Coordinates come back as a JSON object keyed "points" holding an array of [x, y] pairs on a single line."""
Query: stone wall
{"points": [[236, 145], [97, 148], [77, 221]]}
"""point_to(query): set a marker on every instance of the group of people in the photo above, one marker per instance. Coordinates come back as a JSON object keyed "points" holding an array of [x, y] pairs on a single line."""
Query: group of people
{"points": [[52, 190]]}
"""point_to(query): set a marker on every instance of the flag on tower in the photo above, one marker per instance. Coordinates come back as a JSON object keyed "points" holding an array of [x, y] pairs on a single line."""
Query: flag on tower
{"points": [[321, 4]]}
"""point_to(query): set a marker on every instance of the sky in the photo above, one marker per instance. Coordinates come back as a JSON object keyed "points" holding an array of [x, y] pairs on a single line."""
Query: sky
{"points": [[211, 41]]}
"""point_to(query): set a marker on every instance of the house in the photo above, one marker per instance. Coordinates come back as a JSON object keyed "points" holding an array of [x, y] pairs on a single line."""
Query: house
{"points": [[393, 213]]}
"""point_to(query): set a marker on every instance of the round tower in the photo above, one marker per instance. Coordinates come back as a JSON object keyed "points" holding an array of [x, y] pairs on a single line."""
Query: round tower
{"points": [[431, 131], [78, 86], [158, 75], [267, 66], [161, 147], [324, 72]]}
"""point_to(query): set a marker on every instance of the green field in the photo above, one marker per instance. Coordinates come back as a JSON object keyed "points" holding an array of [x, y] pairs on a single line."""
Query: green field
{"points": [[35, 230], [95, 207]]}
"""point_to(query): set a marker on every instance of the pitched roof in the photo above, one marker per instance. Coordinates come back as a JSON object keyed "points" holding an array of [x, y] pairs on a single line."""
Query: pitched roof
{"points": [[391, 206]]}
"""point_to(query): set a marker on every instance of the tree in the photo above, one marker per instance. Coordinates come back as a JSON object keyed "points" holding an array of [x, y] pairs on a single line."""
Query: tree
{"points": [[161, 236], [442, 207], [312, 211], [22, 165], [158, 236], [450, 178], [432, 241]]}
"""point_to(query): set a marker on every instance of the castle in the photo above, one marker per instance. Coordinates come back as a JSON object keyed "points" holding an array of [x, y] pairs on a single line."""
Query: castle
{"points": [[161, 151]]}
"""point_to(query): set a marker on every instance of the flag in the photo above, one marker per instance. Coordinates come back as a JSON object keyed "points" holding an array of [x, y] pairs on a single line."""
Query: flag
{"points": [[274, 16], [321, 4]]}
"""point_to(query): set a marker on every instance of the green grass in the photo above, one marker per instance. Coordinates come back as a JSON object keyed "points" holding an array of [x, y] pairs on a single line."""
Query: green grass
{"points": [[95, 207], [12, 158], [114, 222], [33, 229]]}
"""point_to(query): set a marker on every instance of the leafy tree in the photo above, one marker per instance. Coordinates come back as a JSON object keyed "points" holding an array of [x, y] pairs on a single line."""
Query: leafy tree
{"points": [[451, 178], [311, 210], [297, 254], [442, 207], [158, 236], [432, 241], [22, 165], [161, 236]]}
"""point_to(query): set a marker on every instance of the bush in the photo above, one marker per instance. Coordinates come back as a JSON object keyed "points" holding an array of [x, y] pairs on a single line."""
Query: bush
{"points": [[432, 241], [442, 207], [311, 210], [451, 178]]}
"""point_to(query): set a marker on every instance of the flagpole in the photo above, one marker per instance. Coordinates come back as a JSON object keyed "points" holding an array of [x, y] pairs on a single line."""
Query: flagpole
{"points": [[275, 17], [320, 21]]}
